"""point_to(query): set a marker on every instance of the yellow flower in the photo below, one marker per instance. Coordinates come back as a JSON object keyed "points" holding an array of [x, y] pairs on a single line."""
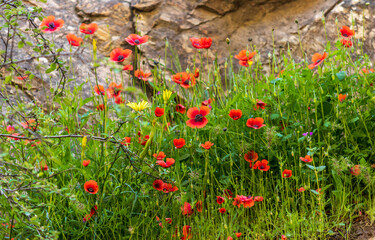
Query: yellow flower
{"points": [[166, 95], [138, 106]]}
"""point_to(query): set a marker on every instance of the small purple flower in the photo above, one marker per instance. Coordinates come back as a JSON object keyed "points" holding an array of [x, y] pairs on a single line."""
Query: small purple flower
{"points": [[304, 134], [311, 133], [210, 106], [158, 93]]}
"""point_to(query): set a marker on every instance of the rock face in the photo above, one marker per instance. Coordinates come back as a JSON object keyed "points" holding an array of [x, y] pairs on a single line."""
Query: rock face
{"points": [[260, 24]]}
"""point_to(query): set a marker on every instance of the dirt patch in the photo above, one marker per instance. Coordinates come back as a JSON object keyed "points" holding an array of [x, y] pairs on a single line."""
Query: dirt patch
{"points": [[362, 229]]}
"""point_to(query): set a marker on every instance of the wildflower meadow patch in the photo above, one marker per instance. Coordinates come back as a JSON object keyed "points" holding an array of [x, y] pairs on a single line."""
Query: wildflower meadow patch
{"points": [[202, 151]]}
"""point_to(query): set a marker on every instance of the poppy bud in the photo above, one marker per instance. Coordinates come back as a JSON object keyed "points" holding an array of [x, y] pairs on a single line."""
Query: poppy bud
{"points": [[228, 40], [296, 21]]}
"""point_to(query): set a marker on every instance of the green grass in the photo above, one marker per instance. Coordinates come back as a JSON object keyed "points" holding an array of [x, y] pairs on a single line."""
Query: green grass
{"points": [[52, 204]]}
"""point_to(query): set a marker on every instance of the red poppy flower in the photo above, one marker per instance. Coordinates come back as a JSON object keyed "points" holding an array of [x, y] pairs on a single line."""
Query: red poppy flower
{"points": [[355, 171], [346, 32], [93, 210], [258, 199], [261, 104], [85, 163], [364, 70], [52, 24], [100, 107], [22, 77], [199, 206], [141, 75], [186, 80], [15, 136], [119, 100], [186, 232], [197, 117], [220, 199], [168, 220], [255, 166], [201, 42], [317, 59], [307, 158], [169, 188], [44, 168], [235, 114], [196, 73], [30, 124], [222, 210], [119, 54], [128, 67], [206, 102], [32, 142], [281, 73], [159, 111], [342, 97], [263, 165], [10, 129], [180, 108], [126, 141], [255, 123], [229, 238], [346, 43], [88, 28], [134, 39], [166, 164], [158, 185], [114, 90], [247, 202], [228, 193], [283, 237], [167, 126], [238, 235], [251, 156], [179, 143], [144, 140], [187, 209], [91, 187], [287, 173], [245, 57], [74, 40], [99, 89], [301, 189], [159, 156], [207, 145]]}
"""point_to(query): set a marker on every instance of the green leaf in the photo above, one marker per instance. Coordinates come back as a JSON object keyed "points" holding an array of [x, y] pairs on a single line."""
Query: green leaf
{"points": [[319, 169], [21, 44], [341, 75], [274, 116]]}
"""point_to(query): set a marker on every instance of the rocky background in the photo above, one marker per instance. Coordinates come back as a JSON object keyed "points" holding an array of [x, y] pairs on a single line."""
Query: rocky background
{"points": [[263, 23]]}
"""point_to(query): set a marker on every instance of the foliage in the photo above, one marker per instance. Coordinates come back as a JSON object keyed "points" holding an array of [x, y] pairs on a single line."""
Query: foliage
{"points": [[44, 191]]}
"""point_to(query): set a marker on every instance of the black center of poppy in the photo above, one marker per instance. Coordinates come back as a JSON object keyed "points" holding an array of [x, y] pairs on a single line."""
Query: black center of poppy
{"points": [[235, 117], [136, 41], [51, 25], [261, 167], [318, 61], [345, 34], [89, 31], [186, 82], [255, 126], [119, 58], [198, 118], [90, 189], [286, 175]]}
